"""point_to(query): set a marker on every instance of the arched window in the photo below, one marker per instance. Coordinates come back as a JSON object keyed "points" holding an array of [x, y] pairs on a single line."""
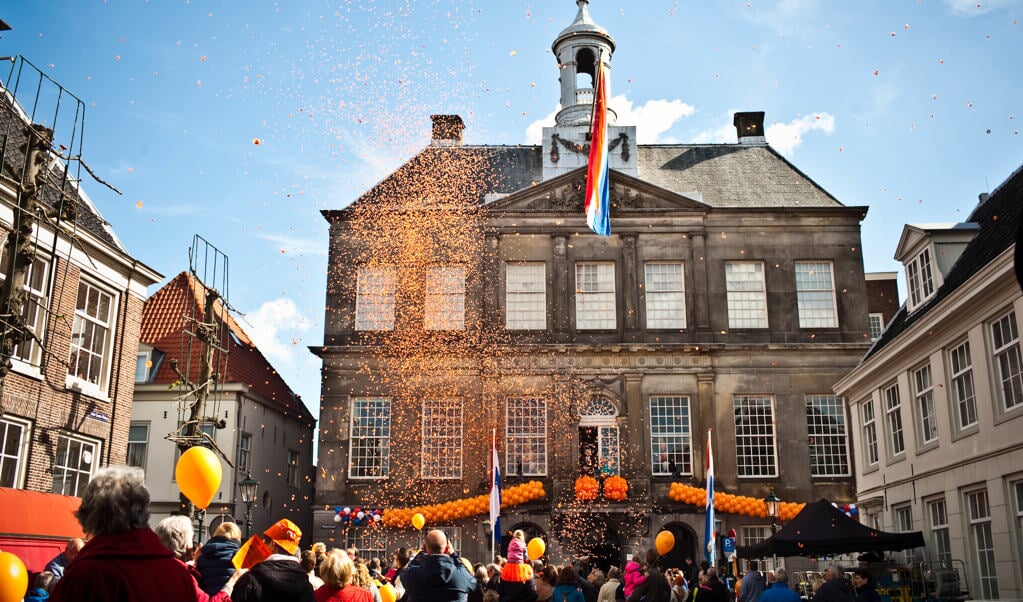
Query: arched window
{"points": [[599, 446]]}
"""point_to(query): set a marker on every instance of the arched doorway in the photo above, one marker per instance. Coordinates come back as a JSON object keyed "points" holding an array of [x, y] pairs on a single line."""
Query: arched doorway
{"points": [[530, 530], [685, 546]]}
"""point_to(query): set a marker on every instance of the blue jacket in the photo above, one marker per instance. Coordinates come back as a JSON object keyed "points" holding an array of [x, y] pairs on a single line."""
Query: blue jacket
{"points": [[779, 592], [214, 563], [752, 587], [437, 578], [564, 592]]}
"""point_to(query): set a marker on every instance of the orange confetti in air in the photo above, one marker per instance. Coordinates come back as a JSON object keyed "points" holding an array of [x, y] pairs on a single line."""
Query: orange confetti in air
{"points": [[875, 72], [138, 204], [512, 53], [203, 58], [255, 141]]}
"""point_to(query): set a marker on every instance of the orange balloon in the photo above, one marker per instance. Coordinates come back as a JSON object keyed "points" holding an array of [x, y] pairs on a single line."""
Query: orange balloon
{"points": [[13, 578], [535, 548], [664, 542], [418, 520], [198, 474], [387, 593]]}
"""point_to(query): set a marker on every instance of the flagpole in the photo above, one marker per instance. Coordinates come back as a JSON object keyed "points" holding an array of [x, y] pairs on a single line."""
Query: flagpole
{"points": [[710, 533], [493, 533]]}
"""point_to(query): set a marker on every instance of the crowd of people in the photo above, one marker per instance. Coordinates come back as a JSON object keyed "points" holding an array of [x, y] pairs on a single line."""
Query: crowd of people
{"points": [[125, 560]]}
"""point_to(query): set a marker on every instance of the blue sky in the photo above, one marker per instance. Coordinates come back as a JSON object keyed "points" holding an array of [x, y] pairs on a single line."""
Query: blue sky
{"points": [[910, 107]]}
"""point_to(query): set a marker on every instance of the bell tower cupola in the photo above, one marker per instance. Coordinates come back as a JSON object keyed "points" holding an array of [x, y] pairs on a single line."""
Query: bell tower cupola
{"points": [[579, 48]]}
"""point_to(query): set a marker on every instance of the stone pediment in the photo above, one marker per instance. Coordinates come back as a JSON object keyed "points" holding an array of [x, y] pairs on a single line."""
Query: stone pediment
{"points": [[565, 194]]}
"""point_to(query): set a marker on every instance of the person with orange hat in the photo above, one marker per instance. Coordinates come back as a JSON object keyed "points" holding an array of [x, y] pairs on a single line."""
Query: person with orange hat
{"points": [[280, 577]]}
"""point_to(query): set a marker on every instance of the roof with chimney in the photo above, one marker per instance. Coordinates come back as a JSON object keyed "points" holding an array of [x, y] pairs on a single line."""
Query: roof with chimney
{"points": [[174, 308], [998, 220]]}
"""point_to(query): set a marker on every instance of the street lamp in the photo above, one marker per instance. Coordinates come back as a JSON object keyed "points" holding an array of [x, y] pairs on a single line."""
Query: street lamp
{"points": [[247, 489], [773, 504]]}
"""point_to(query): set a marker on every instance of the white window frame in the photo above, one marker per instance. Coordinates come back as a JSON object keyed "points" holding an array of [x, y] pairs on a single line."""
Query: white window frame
{"points": [[244, 452], [746, 292], [920, 279], [38, 303], [20, 448], [73, 479], [868, 418], [902, 518], [665, 293], [961, 385], [374, 298], [1016, 491], [937, 516], [815, 294], [441, 447], [369, 438], [923, 392], [891, 400], [599, 412], [85, 324], [671, 435], [977, 510], [828, 436], [526, 436], [595, 298], [754, 534], [1008, 362], [756, 438], [139, 444], [875, 324], [525, 296], [445, 298], [369, 540]]}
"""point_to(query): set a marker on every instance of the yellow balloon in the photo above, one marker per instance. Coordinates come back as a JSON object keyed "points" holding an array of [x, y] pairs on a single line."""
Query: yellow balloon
{"points": [[418, 521], [664, 542], [13, 578], [387, 593], [535, 548], [198, 474]]}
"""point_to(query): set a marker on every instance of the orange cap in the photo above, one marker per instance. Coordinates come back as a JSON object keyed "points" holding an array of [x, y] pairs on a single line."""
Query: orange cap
{"points": [[285, 534]]}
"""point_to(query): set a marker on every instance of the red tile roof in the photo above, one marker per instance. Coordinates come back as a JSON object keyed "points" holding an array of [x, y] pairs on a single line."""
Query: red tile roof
{"points": [[176, 307]]}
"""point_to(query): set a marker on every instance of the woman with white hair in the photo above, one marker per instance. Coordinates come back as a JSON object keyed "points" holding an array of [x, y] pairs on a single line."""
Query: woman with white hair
{"points": [[123, 559], [176, 533]]}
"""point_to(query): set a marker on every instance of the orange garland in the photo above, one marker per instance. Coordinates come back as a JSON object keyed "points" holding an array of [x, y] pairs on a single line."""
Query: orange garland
{"points": [[586, 488], [455, 509], [732, 504], [616, 488]]}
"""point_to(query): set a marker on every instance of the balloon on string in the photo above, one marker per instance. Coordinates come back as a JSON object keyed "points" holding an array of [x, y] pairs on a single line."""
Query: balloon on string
{"points": [[535, 548], [664, 542], [387, 593], [198, 475], [13, 578], [418, 520]]}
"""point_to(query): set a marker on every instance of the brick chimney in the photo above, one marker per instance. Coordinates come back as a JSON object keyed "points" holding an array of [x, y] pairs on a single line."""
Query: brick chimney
{"points": [[749, 127], [447, 130]]}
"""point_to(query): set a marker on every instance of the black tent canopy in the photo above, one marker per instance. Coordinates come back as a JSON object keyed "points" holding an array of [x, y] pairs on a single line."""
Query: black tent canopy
{"points": [[821, 529]]}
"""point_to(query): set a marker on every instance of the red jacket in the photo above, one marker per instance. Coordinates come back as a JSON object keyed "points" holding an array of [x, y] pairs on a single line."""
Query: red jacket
{"points": [[348, 593], [122, 567]]}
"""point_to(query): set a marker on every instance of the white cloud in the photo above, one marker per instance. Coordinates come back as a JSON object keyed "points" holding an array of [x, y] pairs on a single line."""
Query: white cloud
{"points": [[973, 8], [785, 137], [652, 118], [275, 328]]}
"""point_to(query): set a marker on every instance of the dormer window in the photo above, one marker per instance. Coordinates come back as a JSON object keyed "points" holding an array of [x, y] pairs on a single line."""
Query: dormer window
{"points": [[919, 275]]}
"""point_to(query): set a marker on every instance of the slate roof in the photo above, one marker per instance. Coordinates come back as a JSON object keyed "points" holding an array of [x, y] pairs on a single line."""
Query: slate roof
{"points": [[998, 218], [166, 314], [724, 175]]}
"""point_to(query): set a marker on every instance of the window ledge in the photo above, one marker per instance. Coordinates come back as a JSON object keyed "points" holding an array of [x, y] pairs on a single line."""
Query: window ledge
{"points": [[86, 388]]}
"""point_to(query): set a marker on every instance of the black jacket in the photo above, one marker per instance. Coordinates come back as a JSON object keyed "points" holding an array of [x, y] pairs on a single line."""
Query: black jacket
{"points": [[274, 581], [838, 589], [437, 578], [214, 563], [654, 589], [516, 591]]}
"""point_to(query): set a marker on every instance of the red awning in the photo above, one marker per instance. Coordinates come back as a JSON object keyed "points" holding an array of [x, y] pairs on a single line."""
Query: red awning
{"points": [[35, 526]]}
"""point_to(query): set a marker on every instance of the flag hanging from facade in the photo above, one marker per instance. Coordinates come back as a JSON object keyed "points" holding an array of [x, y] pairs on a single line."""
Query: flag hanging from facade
{"points": [[598, 198], [495, 492], [710, 531]]}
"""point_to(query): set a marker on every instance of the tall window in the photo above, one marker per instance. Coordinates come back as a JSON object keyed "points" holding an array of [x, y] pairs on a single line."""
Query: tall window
{"points": [[292, 474], [370, 541], [938, 518], [525, 299], [445, 298], [244, 452], [920, 279], [595, 296], [33, 310], [374, 298], [753, 534], [1005, 339], [442, 439], [747, 295], [90, 336], [598, 419], [671, 446], [815, 294], [876, 324], [904, 524], [526, 451], [665, 296], [893, 420], [924, 392], [14, 435], [829, 444], [978, 515], [73, 464], [962, 385], [369, 443], [869, 421], [138, 444], [1017, 498], [754, 436]]}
